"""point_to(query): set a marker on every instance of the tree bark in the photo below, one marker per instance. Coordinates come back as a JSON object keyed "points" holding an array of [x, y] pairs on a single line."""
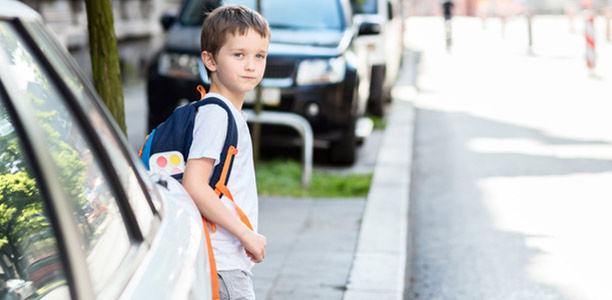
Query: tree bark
{"points": [[104, 57]]}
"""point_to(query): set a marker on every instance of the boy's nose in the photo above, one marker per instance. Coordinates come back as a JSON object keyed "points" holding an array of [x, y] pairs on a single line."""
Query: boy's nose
{"points": [[250, 65]]}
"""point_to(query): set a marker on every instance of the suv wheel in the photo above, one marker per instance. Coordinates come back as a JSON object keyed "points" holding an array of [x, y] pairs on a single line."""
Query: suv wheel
{"points": [[378, 97]]}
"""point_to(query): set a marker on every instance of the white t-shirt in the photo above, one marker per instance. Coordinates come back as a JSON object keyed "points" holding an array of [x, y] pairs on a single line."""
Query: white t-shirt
{"points": [[209, 131]]}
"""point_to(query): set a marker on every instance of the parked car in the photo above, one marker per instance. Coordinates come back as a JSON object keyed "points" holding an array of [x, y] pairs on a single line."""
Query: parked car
{"points": [[380, 32], [58, 146], [16, 289], [311, 69]]}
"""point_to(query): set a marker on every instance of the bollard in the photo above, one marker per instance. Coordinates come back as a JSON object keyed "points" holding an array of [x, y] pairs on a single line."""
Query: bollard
{"points": [[589, 34]]}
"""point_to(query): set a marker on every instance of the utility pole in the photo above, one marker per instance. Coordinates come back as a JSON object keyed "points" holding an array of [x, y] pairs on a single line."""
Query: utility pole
{"points": [[258, 108], [529, 13]]}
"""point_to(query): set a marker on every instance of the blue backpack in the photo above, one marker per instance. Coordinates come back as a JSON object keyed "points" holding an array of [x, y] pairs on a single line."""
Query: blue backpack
{"points": [[166, 148]]}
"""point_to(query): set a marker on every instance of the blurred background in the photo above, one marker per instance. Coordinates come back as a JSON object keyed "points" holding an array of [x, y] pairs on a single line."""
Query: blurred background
{"points": [[140, 33], [510, 193]]}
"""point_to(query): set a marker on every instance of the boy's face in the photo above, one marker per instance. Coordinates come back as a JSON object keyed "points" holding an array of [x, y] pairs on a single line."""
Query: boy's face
{"points": [[239, 66]]}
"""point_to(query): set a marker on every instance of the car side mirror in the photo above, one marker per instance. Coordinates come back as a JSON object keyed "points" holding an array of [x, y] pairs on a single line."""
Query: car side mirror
{"points": [[369, 28], [167, 20]]}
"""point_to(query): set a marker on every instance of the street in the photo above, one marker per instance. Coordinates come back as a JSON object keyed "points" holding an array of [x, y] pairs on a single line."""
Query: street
{"points": [[512, 163]]}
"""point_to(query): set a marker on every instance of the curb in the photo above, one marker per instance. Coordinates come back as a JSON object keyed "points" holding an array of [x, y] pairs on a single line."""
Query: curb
{"points": [[378, 270]]}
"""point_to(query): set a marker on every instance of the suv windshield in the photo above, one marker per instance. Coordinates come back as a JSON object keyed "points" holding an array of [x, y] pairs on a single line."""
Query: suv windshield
{"points": [[364, 6], [311, 14], [193, 12]]}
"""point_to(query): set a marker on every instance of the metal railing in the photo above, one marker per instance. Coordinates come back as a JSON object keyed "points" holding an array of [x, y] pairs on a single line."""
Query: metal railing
{"points": [[297, 122]]}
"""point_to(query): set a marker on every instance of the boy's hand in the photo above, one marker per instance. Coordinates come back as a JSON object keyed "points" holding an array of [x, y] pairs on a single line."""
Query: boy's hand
{"points": [[255, 245]]}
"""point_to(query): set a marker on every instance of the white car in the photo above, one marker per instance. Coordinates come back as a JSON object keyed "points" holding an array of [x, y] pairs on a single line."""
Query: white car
{"points": [[380, 32], [80, 218]]}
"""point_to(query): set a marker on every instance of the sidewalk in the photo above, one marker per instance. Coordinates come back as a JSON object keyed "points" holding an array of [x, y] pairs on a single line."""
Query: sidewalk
{"points": [[347, 248], [311, 244], [380, 260]]}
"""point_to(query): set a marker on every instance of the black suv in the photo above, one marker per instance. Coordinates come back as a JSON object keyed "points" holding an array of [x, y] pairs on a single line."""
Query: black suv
{"points": [[311, 69]]}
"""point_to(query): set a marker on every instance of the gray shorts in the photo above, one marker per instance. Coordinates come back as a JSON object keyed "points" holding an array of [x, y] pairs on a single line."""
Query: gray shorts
{"points": [[235, 285]]}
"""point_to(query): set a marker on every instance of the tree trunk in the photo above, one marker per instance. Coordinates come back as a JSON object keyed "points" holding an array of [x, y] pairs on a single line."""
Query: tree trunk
{"points": [[104, 57], [15, 256]]}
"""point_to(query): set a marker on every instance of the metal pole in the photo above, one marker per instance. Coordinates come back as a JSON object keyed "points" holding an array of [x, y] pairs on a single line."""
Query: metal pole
{"points": [[529, 31], [258, 108], [297, 122], [607, 14]]}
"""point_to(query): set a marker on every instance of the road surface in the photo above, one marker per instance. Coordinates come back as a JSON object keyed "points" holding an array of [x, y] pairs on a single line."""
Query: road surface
{"points": [[511, 194]]}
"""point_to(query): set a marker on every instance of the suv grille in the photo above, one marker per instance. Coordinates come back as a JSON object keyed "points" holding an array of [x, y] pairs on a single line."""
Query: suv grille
{"points": [[279, 69]]}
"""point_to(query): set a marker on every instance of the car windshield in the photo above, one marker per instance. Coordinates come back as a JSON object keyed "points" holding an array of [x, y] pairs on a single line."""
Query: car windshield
{"points": [[296, 15], [193, 12], [364, 6]]}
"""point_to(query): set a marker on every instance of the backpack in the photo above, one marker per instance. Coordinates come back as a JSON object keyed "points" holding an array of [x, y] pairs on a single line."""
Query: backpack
{"points": [[164, 150]]}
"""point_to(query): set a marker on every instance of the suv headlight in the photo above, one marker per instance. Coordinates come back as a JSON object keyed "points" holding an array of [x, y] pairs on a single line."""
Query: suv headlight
{"points": [[179, 65], [312, 71]]}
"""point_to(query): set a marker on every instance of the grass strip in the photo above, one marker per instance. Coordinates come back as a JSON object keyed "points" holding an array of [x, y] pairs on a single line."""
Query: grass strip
{"points": [[283, 178], [379, 123]]}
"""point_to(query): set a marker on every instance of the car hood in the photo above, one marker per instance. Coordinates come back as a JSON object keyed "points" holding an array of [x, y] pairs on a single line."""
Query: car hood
{"points": [[309, 42], [284, 42]]}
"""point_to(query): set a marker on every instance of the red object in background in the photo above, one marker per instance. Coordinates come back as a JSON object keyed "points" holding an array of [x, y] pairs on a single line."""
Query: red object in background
{"points": [[589, 34]]}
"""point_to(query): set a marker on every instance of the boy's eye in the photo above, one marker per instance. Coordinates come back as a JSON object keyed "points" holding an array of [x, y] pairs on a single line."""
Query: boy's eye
{"points": [[261, 56], [238, 54]]}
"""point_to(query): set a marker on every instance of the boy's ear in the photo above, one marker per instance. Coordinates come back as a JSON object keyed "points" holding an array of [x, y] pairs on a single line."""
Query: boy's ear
{"points": [[209, 61]]}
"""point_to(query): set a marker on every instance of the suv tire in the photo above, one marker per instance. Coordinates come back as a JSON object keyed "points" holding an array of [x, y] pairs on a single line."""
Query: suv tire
{"points": [[344, 150], [378, 96]]}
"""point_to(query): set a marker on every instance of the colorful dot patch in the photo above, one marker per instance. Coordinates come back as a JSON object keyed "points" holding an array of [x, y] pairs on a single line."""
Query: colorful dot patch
{"points": [[167, 163]]}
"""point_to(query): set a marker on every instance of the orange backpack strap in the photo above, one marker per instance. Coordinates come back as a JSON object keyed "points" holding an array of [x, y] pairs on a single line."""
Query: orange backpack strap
{"points": [[143, 145], [214, 280], [202, 91], [221, 189]]}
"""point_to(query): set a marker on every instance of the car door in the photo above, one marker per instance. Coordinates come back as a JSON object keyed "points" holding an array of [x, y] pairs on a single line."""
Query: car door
{"points": [[94, 216], [83, 219]]}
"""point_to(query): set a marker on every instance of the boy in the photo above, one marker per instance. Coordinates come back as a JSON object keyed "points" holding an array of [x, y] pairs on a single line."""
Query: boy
{"points": [[234, 45]]}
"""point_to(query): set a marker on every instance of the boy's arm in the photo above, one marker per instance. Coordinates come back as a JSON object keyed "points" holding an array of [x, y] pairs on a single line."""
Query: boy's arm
{"points": [[195, 180]]}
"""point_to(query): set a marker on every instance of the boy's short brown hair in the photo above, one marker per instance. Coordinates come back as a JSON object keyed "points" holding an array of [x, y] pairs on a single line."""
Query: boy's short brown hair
{"points": [[230, 19]]}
